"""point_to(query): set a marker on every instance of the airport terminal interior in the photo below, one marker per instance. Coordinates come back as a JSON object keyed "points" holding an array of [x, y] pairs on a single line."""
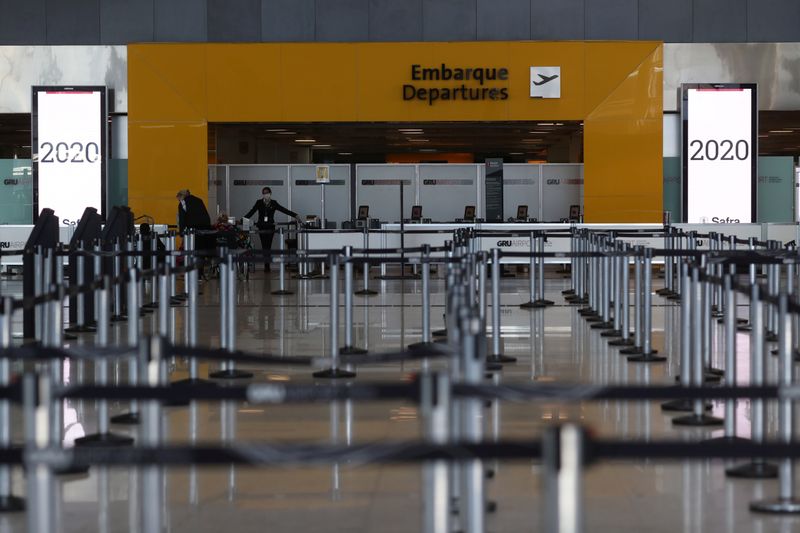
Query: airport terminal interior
{"points": [[394, 266]]}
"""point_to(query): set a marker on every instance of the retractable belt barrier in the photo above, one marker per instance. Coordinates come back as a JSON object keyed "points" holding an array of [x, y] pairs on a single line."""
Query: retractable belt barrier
{"points": [[451, 395]]}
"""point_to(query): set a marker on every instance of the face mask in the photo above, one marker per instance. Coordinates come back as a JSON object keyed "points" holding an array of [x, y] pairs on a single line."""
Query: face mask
{"points": [[267, 197]]}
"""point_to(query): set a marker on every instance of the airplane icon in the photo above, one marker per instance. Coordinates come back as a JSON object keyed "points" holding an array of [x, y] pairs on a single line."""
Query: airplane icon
{"points": [[544, 79]]}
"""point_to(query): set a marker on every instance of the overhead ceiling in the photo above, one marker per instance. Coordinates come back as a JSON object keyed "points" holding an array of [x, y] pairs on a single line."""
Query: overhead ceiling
{"points": [[523, 139]]}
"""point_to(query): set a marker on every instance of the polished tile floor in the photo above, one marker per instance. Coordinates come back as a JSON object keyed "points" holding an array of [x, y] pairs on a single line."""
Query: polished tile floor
{"points": [[552, 344]]}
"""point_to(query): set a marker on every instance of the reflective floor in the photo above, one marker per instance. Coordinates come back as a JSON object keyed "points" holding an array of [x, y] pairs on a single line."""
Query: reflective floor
{"points": [[551, 344]]}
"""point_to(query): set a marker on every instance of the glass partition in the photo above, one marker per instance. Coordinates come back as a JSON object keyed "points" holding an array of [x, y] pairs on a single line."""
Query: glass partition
{"points": [[246, 182], [521, 186], [562, 186], [378, 186], [16, 191], [446, 190], [307, 193], [218, 190]]}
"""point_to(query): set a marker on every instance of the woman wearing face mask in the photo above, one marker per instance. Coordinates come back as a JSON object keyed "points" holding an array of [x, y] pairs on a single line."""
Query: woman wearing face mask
{"points": [[266, 208]]}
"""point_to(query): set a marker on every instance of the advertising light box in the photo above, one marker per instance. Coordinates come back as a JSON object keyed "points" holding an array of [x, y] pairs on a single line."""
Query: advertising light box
{"points": [[720, 152], [68, 141]]}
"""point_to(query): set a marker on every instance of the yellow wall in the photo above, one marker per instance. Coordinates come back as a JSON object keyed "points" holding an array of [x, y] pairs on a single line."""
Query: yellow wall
{"points": [[176, 89]]}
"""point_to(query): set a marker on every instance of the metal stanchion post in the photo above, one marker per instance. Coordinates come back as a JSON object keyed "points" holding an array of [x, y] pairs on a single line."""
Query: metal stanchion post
{"points": [[572, 271], [132, 417], [497, 353], [435, 406], [366, 291], [730, 359], [228, 325], [427, 341], [40, 485], [638, 259], [625, 332], [531, 304], [648, 353], [103, 437], [617, 262], [334, 372], [697, 296], [562, 459], [786, 502], [604, 321], [541, 300], [349, 347], [758, 468], [118, 315], [282, 290], [751, 245], [473, 511], [686, 345], [152, 496], [8, 502]]}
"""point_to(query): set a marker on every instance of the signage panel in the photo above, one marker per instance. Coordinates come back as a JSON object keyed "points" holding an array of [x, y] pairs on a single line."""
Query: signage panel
{"points": [[493, 193], [68, 130], [720, 153]]}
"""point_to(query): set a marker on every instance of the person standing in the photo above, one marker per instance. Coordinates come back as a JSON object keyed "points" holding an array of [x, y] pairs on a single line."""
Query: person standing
{"points": [[266, 207], [192, 214]]}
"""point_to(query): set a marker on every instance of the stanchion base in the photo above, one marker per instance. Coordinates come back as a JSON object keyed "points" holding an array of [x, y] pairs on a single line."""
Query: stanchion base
{"points": [[80, 329], [647, 358], [533, 304], [127, 419], [181, 297], [500, 358], [119, 318], [587, 311], [174, 302], [231, 374], [694, 420], [440, 333], [72, 471], [681, 406], [568, 292], [665, 292], [778, 506], [104, 439], [771, 337], [602, 325], [151, 305], [334, 373], [726, 440], [613, 333], [633, 350], [493, 367], [11, 504], [622, 342], [366, 292], [675, 297], [424, 346], [188, 382], [744, 327], [352, 350], [708, 377], [544, 302], [282, 293], [578, 301], [753, 470], [146, 311], [715, 371], [70, 337], [592, 319]]}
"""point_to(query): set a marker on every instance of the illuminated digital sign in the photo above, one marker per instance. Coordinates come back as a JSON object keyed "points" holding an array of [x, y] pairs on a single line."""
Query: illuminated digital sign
{"points": [[720, 152], [68, 150]]}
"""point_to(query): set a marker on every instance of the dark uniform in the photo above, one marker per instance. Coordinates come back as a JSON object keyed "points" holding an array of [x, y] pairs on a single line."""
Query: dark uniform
{"points": [[266, 220]]}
